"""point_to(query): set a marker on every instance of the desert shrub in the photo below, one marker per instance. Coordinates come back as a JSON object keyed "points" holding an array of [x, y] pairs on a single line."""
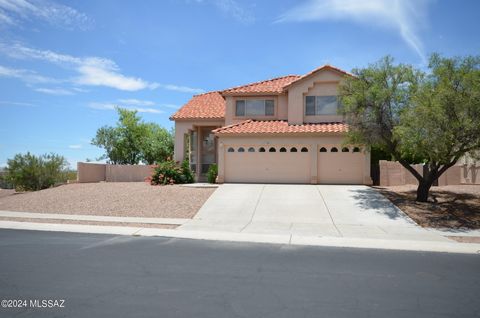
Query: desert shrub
{"points": [[187, 172], [170, 172], [212, 173], [4, 183], [27, 172]]}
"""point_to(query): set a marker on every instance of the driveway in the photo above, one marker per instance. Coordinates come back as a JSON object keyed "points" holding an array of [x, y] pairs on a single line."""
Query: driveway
{"points": [[310, 210]]}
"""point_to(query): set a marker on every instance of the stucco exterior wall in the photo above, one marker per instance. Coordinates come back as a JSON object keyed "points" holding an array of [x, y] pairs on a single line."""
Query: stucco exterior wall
{"points": [[324, 83], [183, 127], [292, 172]]}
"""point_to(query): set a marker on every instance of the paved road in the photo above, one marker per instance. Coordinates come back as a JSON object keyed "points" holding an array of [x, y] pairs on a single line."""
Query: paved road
{"points": [[353, 211], [115, 276]]}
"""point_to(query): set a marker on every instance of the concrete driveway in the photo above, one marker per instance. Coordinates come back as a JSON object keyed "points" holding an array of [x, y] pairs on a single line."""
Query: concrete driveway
{"points": [[310, 210]]}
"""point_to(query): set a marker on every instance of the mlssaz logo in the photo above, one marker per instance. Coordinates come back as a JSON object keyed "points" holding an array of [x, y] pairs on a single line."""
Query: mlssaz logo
{"points": [[47, 303]]}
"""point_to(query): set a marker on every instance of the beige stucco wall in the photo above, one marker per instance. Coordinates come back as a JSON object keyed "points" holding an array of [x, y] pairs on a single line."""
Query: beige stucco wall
{"points": [[90, 172], [323, 83], [127, 173], [96, 172], [470, 173], [183, 127], [393, 173], [293, 171]]}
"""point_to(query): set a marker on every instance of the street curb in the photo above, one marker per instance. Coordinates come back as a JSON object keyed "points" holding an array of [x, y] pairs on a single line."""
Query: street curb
{"points": [[294, 240], [95, 218]]}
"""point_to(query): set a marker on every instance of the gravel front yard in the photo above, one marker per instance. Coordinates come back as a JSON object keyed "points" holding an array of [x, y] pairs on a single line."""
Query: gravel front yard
{"points": [[111, 199], [456, 207]]}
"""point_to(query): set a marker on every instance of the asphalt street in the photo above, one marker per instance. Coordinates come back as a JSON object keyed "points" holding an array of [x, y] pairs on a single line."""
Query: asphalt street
{"points": [[125, 276]]}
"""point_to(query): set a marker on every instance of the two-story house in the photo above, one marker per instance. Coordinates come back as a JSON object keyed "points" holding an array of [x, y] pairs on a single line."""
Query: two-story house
{"points": [[282, 130]]}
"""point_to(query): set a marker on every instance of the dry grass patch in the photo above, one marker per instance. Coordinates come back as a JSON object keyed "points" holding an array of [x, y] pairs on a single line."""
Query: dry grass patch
{"points": [[456, 207]]}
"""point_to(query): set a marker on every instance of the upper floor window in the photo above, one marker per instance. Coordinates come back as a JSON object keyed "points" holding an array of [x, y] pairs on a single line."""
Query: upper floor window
{"points": [[321, 105], [254, 107]]}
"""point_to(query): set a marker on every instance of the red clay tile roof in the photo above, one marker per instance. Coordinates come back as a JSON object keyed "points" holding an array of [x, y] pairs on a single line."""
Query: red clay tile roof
{"points": [[323, 67], [204, 106], [271, 86], [212, 105], [279, 127]]}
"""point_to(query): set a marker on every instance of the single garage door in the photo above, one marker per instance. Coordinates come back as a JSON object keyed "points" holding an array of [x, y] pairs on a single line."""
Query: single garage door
{"points": [[267, 164], [340, 165]]}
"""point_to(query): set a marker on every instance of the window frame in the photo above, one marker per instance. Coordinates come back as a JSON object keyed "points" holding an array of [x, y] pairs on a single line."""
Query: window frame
{"points": [[315, 110], [245, 107]]}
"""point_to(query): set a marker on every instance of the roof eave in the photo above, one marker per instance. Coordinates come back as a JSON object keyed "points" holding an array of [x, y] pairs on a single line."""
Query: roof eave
{"points": [[196, 118], [240, 94], [279, 134]]}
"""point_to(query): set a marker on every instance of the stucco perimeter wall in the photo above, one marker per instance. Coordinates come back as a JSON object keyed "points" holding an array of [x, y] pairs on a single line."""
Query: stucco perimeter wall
{"points": [[95, 172], [470, 173], [324, 83], [183, 127], [393, 173], [90, 172], [312, 142], [127, 173]]}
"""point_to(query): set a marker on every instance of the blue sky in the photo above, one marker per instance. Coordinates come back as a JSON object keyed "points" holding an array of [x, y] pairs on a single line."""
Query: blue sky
{"points": [[65, 65]]}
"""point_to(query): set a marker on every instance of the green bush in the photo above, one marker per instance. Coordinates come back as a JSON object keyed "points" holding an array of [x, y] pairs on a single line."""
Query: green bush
{"points": [[169, 172], [30, 173], [212, 173]]}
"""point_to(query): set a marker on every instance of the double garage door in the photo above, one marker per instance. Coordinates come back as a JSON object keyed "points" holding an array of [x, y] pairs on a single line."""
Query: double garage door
{"points": [[293, 164]]}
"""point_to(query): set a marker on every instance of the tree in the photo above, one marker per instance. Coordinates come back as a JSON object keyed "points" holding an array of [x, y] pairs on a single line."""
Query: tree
{"points": [[132, 141], [29, 172], [443, 125], [415, 117]]}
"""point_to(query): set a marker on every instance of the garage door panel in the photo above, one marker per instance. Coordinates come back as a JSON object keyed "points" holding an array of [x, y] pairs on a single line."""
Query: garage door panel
{"points": [[341, 167], [267, 167]]}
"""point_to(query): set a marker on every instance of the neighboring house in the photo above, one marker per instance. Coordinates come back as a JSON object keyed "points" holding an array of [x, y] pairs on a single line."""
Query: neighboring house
{"points": [[282, 130]]}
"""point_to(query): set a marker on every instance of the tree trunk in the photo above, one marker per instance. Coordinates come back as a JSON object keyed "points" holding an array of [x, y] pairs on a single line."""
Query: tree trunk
{"points": [[423, 190]]}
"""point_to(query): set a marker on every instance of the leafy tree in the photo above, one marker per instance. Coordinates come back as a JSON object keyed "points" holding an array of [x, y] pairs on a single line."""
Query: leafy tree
{"points": [[444, 123], [416, 117], [132, 141], [157, 145], [29, 172]]}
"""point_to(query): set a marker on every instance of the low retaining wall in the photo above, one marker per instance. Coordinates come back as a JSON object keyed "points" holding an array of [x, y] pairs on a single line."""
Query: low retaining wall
{"points": [[96, 172], [393, 173]]}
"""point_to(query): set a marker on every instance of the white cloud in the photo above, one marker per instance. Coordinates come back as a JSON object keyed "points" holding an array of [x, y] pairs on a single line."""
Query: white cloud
{"points": [[25, 75], [91, 71], [14, 12], [404, 16], [8, 103], [174, 106], [232, 8], [112, 106], [182, 89], [54, 91], [138, 102], [102, 106], [78, 146]]}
